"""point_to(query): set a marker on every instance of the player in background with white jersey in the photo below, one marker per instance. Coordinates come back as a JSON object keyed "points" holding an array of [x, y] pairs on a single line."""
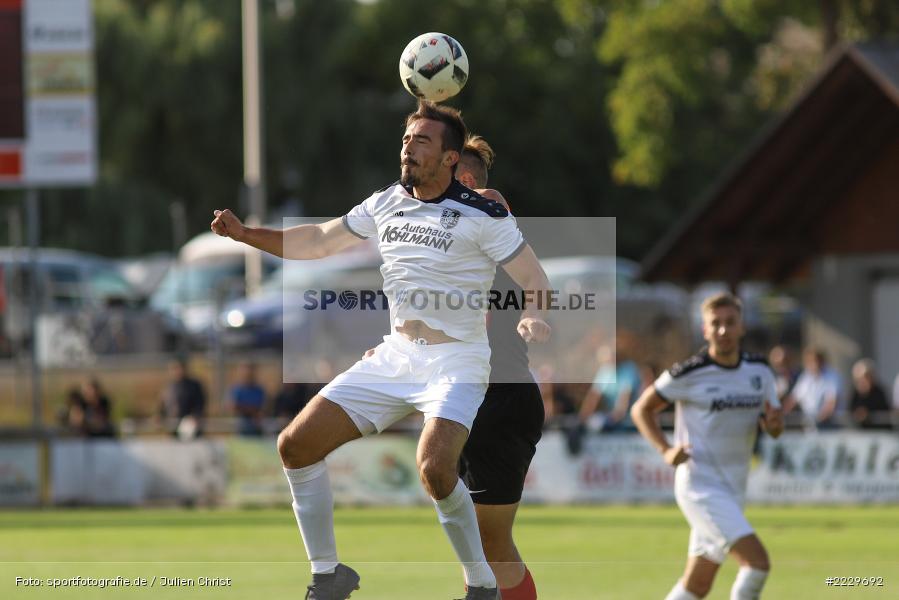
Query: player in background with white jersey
{"points": [[720, 395], [435, 235]]}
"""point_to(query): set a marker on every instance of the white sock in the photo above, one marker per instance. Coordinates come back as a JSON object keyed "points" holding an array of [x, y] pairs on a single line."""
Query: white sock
{"points": [[313, 506], [456, 514], [679, 592], [748, 584]]}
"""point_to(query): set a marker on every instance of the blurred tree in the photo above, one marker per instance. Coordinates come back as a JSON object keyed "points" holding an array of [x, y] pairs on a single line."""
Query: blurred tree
{"points": [[595, 107], [535, 93], [697, 79], [699, 76], [168, 92]]}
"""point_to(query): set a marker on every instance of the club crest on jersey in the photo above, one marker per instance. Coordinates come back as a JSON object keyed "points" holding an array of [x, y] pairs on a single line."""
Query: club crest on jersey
{"points": [[756, 382], [450, 218]]}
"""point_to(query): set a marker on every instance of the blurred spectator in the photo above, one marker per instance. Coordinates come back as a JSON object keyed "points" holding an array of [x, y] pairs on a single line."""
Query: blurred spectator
{"points": [[294, 396], [869, 407], [184, 401], [87, 411], [71, 416], [557, 403], [559, 408], [289, 401], [785, 373], [816, 392], [97, 410], [248, 398], [615, 387]]}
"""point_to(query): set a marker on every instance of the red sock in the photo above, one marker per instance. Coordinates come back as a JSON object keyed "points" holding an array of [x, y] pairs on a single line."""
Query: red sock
{"points": [[523, 591]]}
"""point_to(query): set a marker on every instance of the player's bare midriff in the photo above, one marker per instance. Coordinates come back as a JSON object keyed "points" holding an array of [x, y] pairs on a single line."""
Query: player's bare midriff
{"points": [[417, 331]]}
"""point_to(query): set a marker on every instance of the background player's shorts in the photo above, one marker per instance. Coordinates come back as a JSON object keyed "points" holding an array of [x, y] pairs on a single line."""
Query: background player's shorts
{"points": [[502, 443], [715, 515], [439, 380]]}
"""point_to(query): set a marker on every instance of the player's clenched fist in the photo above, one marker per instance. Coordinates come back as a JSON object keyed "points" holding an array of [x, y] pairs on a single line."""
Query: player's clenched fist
{"points": [[534, 330], [226, 224], [676, 455]]}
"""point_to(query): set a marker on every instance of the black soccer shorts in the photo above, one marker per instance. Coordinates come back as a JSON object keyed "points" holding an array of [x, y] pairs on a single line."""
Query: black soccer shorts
{"points": [[502, 442]]}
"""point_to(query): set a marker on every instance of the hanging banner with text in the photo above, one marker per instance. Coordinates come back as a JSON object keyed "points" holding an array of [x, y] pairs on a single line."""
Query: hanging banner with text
{"points": [[47, 104]]}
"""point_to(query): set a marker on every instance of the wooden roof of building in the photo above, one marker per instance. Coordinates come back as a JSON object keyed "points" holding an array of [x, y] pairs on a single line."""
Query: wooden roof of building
{"points": [[821, 179]]}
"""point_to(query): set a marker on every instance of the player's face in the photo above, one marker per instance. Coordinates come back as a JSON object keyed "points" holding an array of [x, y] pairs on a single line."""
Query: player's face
{"points": [[722, 328], [422, 154]]}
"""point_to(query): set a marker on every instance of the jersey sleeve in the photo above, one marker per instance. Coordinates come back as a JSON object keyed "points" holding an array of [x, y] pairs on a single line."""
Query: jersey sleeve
{"points": [[671, 388], [501, 240], [360, 220]]}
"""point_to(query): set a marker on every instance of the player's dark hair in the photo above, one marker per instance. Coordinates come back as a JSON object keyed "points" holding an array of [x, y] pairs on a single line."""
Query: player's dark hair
{"points": [[724, 299], [454, 130], [478, 157]]}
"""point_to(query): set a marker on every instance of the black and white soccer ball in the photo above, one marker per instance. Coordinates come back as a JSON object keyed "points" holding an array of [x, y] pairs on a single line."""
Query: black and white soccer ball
{"points": [[434, 67]]}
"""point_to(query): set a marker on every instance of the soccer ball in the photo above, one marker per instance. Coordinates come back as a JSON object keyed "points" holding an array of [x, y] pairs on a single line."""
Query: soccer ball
{"points": [[434, 67]]}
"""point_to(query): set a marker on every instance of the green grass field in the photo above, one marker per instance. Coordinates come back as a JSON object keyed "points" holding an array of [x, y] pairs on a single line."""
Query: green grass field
{"points": [[574, 553]]}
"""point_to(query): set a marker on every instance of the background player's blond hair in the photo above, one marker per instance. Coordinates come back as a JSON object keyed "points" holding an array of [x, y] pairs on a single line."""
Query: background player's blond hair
{"points": [[721, 300], [477, 156]]}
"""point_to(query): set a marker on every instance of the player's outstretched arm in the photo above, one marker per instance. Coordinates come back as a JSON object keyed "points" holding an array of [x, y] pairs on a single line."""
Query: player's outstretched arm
{"points": [[299, 242], [525, 270], [644, 414]]}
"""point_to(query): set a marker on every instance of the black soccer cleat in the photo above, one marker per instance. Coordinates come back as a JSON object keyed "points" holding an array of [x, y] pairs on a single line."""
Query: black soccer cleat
{"points": [[479, 593], [333, 586]]}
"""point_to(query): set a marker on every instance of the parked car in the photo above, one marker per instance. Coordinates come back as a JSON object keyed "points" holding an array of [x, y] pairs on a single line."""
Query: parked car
{"points": [[298, 308], [210, 271], [82, 293], [145, 273]]}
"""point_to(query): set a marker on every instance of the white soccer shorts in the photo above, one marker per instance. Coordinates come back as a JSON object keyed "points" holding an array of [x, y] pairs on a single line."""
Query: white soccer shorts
{"points": [[439, 380], [715, 515]]}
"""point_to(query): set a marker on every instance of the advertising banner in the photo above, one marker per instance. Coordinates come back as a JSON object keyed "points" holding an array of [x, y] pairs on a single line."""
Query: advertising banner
{"points": [[799, 468], [20, 483], [612, 468], [378, 470], [133, 472], [827, 468]]}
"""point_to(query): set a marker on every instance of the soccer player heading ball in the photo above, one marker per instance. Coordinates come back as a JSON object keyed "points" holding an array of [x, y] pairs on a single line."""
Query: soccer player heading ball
{"points": [[720, 396], [434, 235]]}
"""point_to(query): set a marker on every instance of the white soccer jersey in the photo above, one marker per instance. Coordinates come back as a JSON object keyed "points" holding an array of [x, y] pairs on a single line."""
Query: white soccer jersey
{"points": [[439, 255], [716, 413]]}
